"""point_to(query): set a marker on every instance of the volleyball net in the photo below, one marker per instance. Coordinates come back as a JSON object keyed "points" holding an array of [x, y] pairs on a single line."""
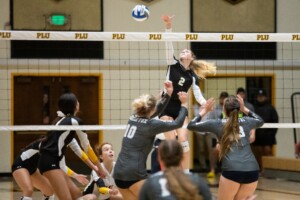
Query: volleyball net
{"points": [[107, 70]]}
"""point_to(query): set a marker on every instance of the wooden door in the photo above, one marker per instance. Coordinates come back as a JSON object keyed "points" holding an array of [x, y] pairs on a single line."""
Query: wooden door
{"points": [[35, 103]]}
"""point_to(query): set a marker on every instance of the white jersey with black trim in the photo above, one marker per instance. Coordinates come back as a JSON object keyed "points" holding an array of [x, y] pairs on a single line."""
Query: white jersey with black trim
{"points": [[97, 182]]}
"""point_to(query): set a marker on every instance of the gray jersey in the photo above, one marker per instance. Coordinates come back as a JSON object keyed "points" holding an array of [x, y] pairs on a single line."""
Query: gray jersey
{"points": [[240, 156], [138, 142], [155, 188]]}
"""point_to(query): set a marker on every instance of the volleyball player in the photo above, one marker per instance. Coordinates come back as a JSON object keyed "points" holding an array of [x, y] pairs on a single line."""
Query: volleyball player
{"points": [[184, 73], [27, 176], [53, 150], [172, 182], [240, 170], [104, 188], [130, 170]]}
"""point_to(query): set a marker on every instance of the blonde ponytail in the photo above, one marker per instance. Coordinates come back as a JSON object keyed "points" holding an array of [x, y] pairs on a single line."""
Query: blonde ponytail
{"points": [[202, 68]]}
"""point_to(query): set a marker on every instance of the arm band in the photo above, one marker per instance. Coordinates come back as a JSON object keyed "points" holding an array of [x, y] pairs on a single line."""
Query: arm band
{"points": [[91, 154], [69, 172], [84, 157], [103, 190]]}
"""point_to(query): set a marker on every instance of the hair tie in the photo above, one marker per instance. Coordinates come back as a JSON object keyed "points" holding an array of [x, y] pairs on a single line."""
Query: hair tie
{"points": [[60, 114]]}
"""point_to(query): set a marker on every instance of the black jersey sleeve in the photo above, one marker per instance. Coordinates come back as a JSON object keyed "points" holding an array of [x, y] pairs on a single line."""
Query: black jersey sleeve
{"points": [[161, 105]]}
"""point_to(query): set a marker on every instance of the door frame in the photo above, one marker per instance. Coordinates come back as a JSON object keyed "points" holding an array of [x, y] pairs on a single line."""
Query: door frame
{"points": [[100, 102]]}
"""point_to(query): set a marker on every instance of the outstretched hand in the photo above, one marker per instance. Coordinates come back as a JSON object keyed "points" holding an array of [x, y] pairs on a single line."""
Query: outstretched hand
{"points": [[168, 20], [81, 179], [183, 97], [243, 108], [207, 107], [169, 87]]}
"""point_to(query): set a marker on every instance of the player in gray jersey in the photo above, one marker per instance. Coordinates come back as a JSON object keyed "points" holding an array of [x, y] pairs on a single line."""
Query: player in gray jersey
{"points": [[240, 170], [130, 169], [172, 182]]}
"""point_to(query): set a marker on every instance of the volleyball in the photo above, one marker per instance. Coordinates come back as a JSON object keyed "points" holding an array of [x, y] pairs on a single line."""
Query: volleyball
{"points": [[140, 13]]}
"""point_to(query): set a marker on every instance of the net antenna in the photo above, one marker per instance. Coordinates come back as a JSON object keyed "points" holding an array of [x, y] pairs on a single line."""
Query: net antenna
{"points": [[295, 98]]}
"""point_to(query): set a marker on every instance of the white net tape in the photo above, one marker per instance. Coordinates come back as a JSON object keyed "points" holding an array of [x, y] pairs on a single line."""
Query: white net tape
{"points": [[146, 36], [112, 127]]}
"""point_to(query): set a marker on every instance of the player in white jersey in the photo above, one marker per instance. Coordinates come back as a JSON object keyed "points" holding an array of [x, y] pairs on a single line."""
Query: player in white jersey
{"points": [[104, 188]]}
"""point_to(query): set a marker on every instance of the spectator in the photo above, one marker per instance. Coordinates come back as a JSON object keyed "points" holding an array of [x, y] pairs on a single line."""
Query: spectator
{"points": [[264, 138]]}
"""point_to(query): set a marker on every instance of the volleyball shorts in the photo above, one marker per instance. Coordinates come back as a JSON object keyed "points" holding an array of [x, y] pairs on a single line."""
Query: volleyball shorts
{"points": [[29, 164], [241, 177]]}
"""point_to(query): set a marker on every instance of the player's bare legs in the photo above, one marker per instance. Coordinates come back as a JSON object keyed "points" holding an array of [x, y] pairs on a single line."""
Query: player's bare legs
{"points": [[183, 140], [171, 134]]}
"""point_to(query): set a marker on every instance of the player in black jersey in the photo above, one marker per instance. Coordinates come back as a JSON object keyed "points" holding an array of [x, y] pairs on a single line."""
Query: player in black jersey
{"points": [[184, 73], [172, 182], [27, 175], [54, 147], [240, 170], [130, 169]]}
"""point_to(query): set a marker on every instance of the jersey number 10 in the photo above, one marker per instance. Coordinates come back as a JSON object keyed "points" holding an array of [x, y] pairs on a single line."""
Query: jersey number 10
{"points": [[130, 131]]}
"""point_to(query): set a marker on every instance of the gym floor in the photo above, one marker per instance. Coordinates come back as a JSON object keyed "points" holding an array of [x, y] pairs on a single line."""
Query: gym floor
{"points": [[268, 189]]}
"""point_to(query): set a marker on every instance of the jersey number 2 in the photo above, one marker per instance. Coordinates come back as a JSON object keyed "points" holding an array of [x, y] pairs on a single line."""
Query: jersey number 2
{"points": [[181, 81], [130, 131]]}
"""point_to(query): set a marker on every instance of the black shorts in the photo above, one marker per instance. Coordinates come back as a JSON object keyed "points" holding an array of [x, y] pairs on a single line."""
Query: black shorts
{"points": [[264, 138], [48, 162], [241, 177], [124, 184], [29, 164], [172, 109]]}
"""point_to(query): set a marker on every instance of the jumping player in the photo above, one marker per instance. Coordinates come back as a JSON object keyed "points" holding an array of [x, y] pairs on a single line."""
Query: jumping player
{"points": [[130, 170], [240, 170], [184, 73]]}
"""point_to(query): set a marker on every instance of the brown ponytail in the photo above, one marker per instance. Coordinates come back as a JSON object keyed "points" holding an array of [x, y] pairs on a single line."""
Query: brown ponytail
{"points": [[231, 129]]}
